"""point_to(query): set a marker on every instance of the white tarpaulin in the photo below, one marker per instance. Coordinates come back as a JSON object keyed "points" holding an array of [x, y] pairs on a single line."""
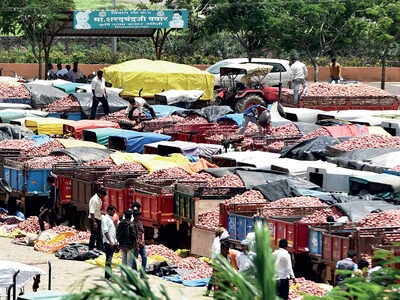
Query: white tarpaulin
{"points": [[9, 268]]}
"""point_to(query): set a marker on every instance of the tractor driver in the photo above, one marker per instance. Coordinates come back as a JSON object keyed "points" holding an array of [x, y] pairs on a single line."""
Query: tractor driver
{"points": [[259, 115], [138, 103]]}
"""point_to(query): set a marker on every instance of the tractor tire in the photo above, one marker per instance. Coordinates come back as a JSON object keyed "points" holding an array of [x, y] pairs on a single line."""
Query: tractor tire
{"points": [[246, 102]]}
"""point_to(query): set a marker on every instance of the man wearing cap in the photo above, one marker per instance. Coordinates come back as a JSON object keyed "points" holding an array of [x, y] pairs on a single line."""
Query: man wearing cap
{"points": [[284, 270], [246, 257]]}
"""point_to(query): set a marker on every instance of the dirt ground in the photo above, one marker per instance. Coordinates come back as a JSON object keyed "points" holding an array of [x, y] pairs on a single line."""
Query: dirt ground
{"points": [[75, 276]]}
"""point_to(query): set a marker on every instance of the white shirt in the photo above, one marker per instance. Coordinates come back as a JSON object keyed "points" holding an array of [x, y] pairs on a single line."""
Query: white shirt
{"points": [[139, 103], [283, 264], [99, 87], [107, 226], [245, 261], [299, 70], [95, 205], [215, 248]]}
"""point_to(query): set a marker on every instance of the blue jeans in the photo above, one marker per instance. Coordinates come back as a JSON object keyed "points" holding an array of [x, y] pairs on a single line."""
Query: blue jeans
{"points": [[142, 252], [331, 79], [296, 84]]}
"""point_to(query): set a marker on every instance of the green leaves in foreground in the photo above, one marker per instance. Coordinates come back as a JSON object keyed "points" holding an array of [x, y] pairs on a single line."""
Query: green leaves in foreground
{"points": [[259, 285]]}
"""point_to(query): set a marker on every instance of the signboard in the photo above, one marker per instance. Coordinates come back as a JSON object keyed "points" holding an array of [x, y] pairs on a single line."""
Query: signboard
{"points": [[126, 19]]}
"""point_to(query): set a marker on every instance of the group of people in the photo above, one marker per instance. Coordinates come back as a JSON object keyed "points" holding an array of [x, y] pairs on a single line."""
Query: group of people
{"points": [[73, 75], [299, 76], [110, 234]]}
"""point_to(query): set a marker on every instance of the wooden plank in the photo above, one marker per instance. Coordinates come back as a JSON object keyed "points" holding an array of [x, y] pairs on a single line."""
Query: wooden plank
{"points": [[202, 240]]}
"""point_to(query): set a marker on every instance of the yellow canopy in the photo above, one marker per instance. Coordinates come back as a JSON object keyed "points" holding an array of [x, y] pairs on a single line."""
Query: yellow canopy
{"points": [[68, 143], [47, 125], [156, 76]]}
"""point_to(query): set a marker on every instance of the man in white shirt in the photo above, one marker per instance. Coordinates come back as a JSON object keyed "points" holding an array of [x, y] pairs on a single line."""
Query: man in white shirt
{"points": [[95, 205], [299, 76], [138, 103], [284, 270], [99, 95], [246, 257], [109, 238]]}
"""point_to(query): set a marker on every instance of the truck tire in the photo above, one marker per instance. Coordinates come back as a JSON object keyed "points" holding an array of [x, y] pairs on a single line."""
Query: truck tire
{"points": [[246, 102]]}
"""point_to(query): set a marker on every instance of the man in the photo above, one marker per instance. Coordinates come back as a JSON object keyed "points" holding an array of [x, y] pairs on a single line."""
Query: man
{"points": [[99, 95], [48, 211], [284, 270], [258, 115], [138, 103], [109, 238], [68, 75], [95, 205], [347, 264], [51, 73], [126, 237], [299, 77], [77, 75], [245, 260], [140, 244], [335, 71], [61, 72]]}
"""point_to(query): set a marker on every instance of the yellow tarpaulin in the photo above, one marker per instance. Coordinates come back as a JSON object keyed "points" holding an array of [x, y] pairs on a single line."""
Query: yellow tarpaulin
{"points": [[47, 125], [68, 143], [54, 244], [157, 76]]}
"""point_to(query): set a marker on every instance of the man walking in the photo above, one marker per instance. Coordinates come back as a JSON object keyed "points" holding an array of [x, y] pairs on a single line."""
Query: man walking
{"points": [[299, 77], [140, 245], [95, 205], [126, 237], [284, 270], [109, 238], [99, 95], [48, 211]]}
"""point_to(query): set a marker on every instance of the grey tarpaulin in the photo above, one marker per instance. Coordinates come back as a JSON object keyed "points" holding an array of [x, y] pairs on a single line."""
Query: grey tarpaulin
{"points": [[313, 149], [161, 269], [220, 172], [357, 210], [8, 131], [211, 113], [306, 128], [43, 95], [252, 178], [115, 102], [284, 188], [84, 154], [331, 198], [79, 252], [360, 154]]}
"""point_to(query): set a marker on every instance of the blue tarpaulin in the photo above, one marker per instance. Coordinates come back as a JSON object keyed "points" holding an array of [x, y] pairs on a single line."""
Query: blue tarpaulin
{"points": [[164, 110], [191, 283], [40, 139], [134, 141], [68, 87], [237, 118]]}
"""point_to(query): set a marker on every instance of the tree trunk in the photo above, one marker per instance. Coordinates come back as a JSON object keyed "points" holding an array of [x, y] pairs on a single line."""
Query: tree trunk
{"points": [[383, 77], [40, 71], [46, 63], [316, 71]]}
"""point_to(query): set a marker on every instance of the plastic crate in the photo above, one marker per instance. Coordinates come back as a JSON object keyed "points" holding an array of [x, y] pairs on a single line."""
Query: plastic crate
{"points": [[239, 226]]}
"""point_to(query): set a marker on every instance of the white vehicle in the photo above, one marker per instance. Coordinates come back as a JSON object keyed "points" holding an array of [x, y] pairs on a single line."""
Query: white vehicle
{"points": [[281, 69]]}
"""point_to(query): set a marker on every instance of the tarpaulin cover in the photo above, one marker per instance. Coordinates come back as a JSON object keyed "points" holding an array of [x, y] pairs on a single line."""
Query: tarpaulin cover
{"points": [[213, 113], [357, 210], [47, 125], [160, 269], [8, 131], [84, 154], [40, 139], [255, 177], [180, 96], [347, 130], [377, 130], [69, 143], [323, 196], [190, 283], [164, 110], [284, 188], [374, 183], [208, 150], [221, 172], [100, 135], [237, 118], [186, 148], [79, 252], [9, 268], [313, 149], [331, 122], [115, 103], [14, 106], [68, 87], [43, 95], [81, 125], [306, 128], [158, 75], [7, 115], [44, 295], [135, 141]]}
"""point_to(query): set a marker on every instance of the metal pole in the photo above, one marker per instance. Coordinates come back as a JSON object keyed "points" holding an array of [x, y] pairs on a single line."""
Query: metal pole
{"points": [[114, 39]]}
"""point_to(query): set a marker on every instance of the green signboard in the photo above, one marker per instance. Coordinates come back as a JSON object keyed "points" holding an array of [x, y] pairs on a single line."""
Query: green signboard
{"points": [[125, 19]]}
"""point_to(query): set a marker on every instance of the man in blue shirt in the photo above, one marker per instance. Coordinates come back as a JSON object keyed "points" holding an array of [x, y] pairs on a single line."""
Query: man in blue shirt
{"points": [[347, 264], [258, 115]]}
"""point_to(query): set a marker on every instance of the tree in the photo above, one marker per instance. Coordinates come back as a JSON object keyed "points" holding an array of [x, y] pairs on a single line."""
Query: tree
{"points": [[246, 20], [314, 27], [37, 21], [378, 28]]}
